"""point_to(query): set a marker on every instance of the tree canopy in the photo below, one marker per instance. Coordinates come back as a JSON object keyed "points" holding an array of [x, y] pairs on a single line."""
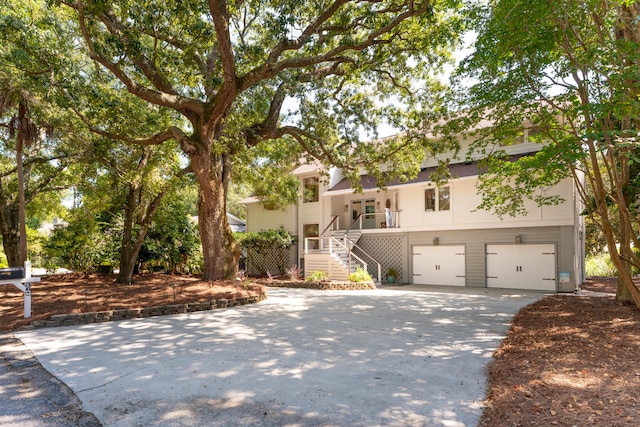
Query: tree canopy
{"points": [[569, 70], [238, 74]]}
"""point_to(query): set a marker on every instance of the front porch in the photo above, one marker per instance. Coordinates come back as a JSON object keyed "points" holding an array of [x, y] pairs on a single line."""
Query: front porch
{"points": [[369, 211]]}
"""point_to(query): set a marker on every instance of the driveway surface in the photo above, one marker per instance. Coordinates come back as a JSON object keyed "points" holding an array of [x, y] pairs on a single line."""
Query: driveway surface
{"points": [[398, 356]]}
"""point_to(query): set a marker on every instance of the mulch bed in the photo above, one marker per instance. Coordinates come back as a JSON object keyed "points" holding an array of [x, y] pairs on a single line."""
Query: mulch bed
{"points": [[568, 360], [80, 293]]}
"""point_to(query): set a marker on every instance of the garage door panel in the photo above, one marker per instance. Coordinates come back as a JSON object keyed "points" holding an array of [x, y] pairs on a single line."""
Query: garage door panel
{"points": [[439, 265], [521, 266]]}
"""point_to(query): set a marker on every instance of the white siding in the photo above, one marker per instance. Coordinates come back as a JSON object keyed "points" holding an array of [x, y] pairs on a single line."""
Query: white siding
{"points": [[259, 219], [464, 211]]}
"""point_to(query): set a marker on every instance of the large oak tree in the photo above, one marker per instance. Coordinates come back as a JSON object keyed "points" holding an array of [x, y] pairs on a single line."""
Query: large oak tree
{"points": [[227, 68]]}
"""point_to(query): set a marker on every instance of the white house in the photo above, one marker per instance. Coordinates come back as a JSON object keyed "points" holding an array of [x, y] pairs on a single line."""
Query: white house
{"points": [[431, 235]]}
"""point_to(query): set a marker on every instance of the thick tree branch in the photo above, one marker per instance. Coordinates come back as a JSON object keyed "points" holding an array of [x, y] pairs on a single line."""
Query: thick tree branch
{"points": [[269, 125], [33, 161], [225, 96], [163, 99], [272, 67], [147, 66]]}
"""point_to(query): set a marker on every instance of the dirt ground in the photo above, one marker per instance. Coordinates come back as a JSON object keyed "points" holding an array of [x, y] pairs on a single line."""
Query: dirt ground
{"points": [[80, 293], [568, 360]]}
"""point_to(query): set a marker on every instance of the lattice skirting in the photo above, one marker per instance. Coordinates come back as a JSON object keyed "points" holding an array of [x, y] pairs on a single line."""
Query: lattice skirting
{"points": [[272, 261], [389, 251]]}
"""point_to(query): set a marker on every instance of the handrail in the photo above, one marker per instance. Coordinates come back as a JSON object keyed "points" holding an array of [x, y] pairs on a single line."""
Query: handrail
{"points": [[396, 219], [336, 242], [335, 217], [354, 223], [355, 245]]}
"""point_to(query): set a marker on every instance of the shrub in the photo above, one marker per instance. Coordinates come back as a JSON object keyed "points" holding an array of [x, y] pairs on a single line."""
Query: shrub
{"points": [[600, 265], [392, 272], [360, 276], [82, 245], [267, 239], [267, 251], [294, 272], [316, 276]]}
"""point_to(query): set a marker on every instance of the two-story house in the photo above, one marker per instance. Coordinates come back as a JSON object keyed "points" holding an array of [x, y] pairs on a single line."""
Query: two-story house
{"points": [[432, 235]]}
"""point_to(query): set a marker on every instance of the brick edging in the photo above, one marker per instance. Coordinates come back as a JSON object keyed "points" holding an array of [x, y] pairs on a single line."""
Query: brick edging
{"points": [[135, 313]]}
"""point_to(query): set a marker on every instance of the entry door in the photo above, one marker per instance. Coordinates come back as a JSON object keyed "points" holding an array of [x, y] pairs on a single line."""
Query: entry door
{"points": [[366, 207], [522, 266], [439, 265]]}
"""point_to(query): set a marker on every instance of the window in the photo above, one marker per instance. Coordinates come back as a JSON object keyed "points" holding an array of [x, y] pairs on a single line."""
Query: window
{"points": [[534, 135], [443, 199], [531, 135], [311, 230], [430, 199], [437, 199], [310, 190]]}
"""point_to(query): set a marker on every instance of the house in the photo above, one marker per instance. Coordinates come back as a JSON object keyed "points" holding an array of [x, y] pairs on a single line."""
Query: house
{"points": [[236, 224], [432, 235]]}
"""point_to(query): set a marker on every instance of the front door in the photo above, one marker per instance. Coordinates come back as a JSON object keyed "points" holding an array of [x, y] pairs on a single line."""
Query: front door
{"points": [[368, 209]]}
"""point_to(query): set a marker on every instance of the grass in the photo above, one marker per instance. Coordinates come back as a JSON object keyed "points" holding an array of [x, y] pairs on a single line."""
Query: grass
{"points": [[599, 266]]}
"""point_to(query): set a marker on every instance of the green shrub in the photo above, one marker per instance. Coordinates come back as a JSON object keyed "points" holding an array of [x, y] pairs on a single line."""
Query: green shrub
{"points": [[316, 276], [600, 265], [360, 276], [267, 252], [268, 239], [392, 272]]}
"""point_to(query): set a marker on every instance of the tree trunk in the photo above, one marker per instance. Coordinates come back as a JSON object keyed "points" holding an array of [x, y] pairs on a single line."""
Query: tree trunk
{"points": [[10, 243], [9, 228], [624, 276], [131, 249], [622, 292], [127, 256], [22, 223], [220, 251]]}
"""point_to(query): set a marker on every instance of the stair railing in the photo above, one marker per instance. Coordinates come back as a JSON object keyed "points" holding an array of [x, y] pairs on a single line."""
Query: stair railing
{"points": [[331, 245], [335, 220], [353, 244]]}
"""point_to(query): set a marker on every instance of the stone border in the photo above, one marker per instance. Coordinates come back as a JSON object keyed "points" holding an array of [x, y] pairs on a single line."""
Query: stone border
{"points": [[324, 286], [135, 313]]}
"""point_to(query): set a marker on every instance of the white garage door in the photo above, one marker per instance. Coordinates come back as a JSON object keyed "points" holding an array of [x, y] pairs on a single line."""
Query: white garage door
{"points": [[522, 266], [439, 265]]}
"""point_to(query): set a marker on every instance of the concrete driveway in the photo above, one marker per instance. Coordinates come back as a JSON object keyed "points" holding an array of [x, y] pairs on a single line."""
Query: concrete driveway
{"points": [[390, 357]]}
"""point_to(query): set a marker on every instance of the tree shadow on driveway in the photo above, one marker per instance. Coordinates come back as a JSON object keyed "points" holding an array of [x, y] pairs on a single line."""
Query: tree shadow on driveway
{"points": [[302, 357]]}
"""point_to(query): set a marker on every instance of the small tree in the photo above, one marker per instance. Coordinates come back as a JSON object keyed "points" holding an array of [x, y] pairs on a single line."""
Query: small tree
{"points": [[173, 240]]}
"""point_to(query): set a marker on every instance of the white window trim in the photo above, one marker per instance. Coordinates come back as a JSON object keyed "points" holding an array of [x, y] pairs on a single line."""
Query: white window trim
{"points": [[437, 198]]}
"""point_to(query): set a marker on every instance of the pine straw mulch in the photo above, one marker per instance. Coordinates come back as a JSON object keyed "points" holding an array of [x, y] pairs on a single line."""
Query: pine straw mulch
{"points": [[568, 360], [82, 293]]}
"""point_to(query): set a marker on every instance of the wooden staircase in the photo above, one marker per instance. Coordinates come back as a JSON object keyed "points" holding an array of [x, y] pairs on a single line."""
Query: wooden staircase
{"points": [[335, 256]]}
